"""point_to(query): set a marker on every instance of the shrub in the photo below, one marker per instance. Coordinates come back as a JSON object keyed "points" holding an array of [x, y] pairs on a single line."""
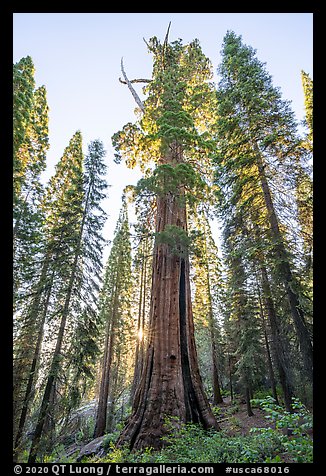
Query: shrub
{"points": [[190, 443], [298, 445]]}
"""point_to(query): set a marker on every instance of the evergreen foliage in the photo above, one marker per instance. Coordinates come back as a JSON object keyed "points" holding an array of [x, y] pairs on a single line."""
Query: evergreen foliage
{"points": [[115, 315], [307, 84], [258, 150], [93, 347], [207, 280], [30, 144]]}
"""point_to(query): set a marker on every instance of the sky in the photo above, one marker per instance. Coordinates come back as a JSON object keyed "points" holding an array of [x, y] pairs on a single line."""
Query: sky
{"points": [[77, 57]]}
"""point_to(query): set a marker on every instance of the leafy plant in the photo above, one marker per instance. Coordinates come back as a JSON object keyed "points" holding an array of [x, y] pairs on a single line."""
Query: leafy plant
{"points": [[190, 443], [298, 443]]}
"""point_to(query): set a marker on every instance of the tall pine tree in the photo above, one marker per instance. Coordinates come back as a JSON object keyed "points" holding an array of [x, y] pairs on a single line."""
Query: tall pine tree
{"points": [[114, 311], [74, 222], [207, 281], [257, 128], [30, 134]]}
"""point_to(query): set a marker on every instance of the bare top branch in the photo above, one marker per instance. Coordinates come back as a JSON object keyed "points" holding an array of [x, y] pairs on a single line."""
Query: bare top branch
{"points": [[165, 44], [136, 81], [131, 89], [147, 44], [166, 37]]}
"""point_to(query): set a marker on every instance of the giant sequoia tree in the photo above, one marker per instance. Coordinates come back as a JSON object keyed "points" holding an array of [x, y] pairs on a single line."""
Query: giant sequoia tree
{"points": [[235, 148], [173, 134]]}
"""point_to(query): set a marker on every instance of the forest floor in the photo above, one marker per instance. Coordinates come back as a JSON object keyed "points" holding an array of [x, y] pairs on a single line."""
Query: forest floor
{"points": [[232, 417], [234, 420]]}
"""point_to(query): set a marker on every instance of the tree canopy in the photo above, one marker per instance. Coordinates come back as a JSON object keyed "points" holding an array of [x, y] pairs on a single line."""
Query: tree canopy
{"points": [[183, 328]]}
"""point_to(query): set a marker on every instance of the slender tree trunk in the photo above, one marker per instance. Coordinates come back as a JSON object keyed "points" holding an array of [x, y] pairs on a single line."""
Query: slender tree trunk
{"points": [[251, 393], [53, 373], [270, 366], [230, 378], [32, 372], [101, 415], [110, 418], [55, 366], [56, 359], [286, 275], [45, 405], [170, 385], [268, 353], [104, 386], [281, 359], [113, 395], [138, 363], [25, 347], [217, 396], [49, 423], [247, 397]]}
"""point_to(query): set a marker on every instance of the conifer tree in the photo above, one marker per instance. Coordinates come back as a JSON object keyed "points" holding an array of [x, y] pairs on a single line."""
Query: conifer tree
{"points": [[84, 341], [172, 133], [307, 85], [207, 281], [23, 87], [304, 185], [256, 128], [245, 214], [244, 326], [30, 134], [74, 222], [114, 310], [64, 203], [143, 242]]}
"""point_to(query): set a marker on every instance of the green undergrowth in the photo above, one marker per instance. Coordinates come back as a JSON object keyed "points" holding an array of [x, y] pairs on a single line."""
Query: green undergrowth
{"points": [[192, 444]]}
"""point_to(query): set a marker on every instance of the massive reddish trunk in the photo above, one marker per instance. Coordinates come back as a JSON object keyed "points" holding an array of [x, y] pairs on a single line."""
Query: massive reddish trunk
{"points": [[170, 384]]}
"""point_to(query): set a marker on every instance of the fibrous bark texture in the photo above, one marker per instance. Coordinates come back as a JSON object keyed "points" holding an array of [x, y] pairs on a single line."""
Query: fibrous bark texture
{"points": [[170, 384]]}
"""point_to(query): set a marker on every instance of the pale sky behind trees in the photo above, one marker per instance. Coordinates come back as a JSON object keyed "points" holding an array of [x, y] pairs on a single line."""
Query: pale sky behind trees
{"points": [[77, 57]]}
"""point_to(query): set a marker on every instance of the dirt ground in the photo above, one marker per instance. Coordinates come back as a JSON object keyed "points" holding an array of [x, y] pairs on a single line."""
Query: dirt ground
{"points": [[233, 418]]}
